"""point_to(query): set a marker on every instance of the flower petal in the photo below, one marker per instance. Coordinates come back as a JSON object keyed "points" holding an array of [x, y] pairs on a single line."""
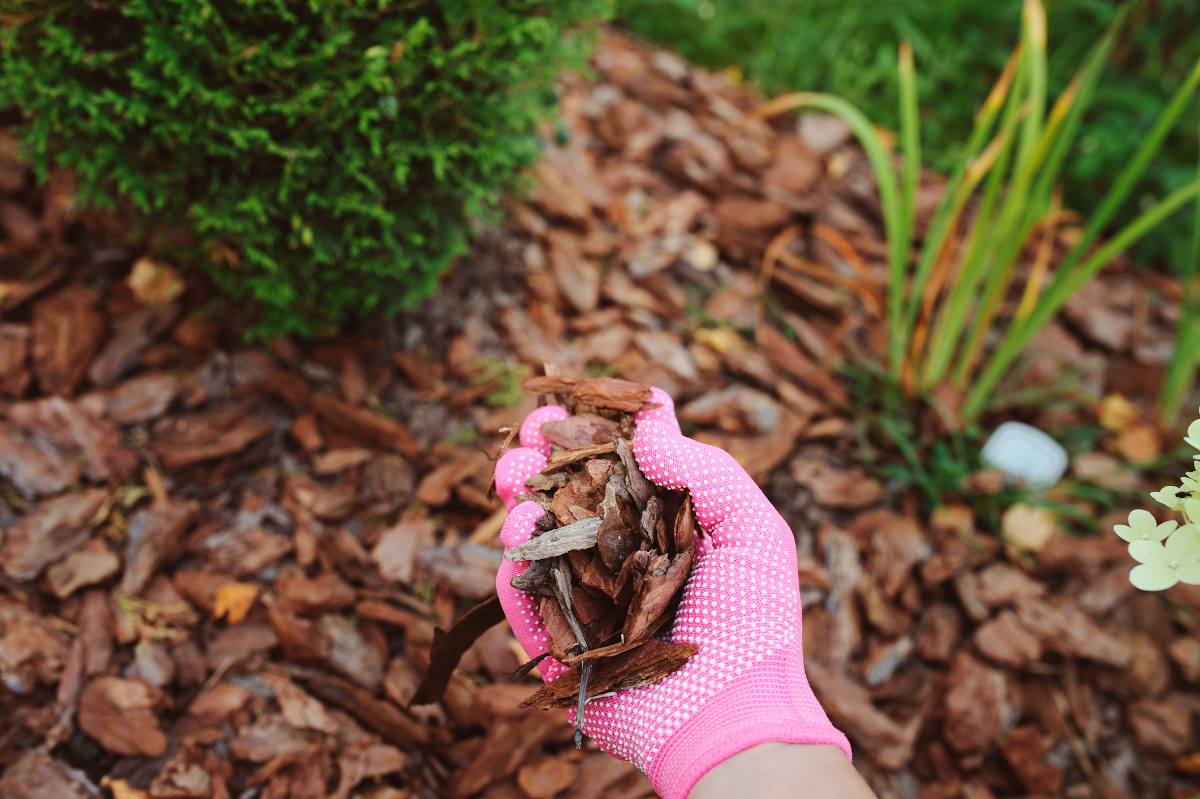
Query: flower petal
{"points": [[1153, 577], [1168, 496], [1125, 532], [1193, 434], [1191, 510], [1148, 552], [1163, 530], [1142, 521], [1189, 572], [1185, 544]]}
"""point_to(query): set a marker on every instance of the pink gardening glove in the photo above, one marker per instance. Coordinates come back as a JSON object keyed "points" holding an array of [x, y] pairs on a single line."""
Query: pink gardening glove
{"points": [[746, 684]]}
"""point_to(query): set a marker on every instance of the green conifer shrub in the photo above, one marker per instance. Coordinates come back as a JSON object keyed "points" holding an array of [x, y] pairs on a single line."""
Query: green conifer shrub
{"points": [[327, 156]]}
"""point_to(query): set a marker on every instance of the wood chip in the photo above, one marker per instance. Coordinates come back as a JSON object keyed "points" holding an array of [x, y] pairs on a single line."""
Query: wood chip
{"points": [[67, 331], [53, 530], [120, 715], [642, 666], [580, 535]]}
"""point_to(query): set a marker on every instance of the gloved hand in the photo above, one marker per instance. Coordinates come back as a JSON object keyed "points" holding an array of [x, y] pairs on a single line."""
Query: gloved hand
{"points": [[746, 684]]}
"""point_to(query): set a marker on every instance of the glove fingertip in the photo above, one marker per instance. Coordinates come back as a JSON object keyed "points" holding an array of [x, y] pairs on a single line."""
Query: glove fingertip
{"points": [[520, 524], [513, 469], [658, 448], [663, 413], [531, 429]]}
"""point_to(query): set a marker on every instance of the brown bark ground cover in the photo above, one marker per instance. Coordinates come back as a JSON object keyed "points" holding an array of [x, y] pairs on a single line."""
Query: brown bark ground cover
{"points": [[222, 564]]}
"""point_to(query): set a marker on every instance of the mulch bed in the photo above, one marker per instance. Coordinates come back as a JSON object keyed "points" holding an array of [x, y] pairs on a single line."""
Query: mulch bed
{"points": [[222, 564]]}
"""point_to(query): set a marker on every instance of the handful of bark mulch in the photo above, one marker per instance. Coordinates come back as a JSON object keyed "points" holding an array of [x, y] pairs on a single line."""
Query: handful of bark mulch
{"points": [[608, 560]]}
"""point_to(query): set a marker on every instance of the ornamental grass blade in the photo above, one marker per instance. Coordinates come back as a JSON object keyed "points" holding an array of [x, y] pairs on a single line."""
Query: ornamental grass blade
{"points": [[1058, 293], [1071, 274], [889, 195], [1185, 360]]}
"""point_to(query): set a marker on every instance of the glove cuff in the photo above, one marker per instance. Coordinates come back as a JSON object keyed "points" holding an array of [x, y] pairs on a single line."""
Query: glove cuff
{"points": [[772, 702]]}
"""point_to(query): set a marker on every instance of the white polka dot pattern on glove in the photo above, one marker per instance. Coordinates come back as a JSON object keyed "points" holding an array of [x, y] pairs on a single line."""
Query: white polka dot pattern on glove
{"points": [[741, 605]]}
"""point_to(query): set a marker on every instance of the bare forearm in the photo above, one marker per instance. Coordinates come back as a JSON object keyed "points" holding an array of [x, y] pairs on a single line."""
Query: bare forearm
{"points": [[784, 771]]}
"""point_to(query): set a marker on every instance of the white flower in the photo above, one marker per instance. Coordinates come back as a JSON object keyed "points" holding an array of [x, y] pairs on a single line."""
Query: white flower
{"points": [[1191, 510], [1169, 496], [1163, 566], [1193, 435], [1191, 482], [1144, 527]]}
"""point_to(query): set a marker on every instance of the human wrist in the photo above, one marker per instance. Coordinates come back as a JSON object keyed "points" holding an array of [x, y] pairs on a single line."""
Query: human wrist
{"points": [[783, 771], [770, 703]]}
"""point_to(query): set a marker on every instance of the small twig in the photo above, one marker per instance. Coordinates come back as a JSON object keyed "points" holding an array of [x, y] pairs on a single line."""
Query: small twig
{"points": [[584, 675], [561, 583]]}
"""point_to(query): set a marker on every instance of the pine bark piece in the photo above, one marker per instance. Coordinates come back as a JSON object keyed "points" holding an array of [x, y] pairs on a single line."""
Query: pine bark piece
{"points": [[534, 577], [366, 426], [604, 393], [580, 431], [182, 441], [654, 595], [53, 530], [378, 715], [92, 563], [70, 428], [560, 541], [685, 527], [617, 647], [566, 457], [67, 330], [563, 641], [34, 471], [132, 334], [141, 399], [37, 775], [450, 645], [641, 488], [154, 534], [120, 715], [32, 651], [507, 744], [643, 666], [15, 375]]}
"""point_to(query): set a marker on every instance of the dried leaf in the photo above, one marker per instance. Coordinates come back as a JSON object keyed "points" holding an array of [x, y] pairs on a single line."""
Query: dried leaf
{"points": [[154, 282], [233, 601]]}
